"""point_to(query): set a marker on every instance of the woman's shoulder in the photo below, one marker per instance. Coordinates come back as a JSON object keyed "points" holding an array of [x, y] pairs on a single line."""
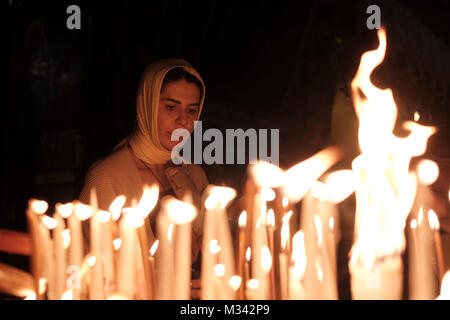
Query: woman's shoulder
{"points": [[198, 174], [119, 161]]}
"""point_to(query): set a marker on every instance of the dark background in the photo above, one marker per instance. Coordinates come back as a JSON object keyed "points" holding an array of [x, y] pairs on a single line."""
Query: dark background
{"points": [[70, 94]]}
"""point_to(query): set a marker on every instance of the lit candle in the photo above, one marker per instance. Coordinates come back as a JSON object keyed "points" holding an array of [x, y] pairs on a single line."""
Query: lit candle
{"points": [[271, 231], [181, 214], [284, 256], [62, 211], [297, 270], [48, 270], [107, 252], [241, 253], [434, 224], [36, 207], [164, 258], [96, 288]]}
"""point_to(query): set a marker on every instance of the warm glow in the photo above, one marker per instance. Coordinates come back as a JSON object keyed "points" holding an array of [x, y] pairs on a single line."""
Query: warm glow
{"points": [[214, 247], [103, 216], [154, 248], [133, 217], [49, 222], [299, 178], [65, 210], [149, 199], [299, 254], [42, 285], [267, 194], [66, 238], [267, 174], [219, 196], [284, 202], [248, 254], [270, 218], [117, 243], [253, 284], [235, 282], [427, 171], [420, 216], [433, 220], [385, 189], [416, 116], [445, 287], [413, 224], [319, 191], [39, 206], [266, 259], [319, 271], [116, 207], [91, 261], [179, 212], [340, 185], [82, 211], [67, 295], [170, 233], [318, 225], [243, 219], [331, 223], [285, 232], [31, 296], [219, 270]]}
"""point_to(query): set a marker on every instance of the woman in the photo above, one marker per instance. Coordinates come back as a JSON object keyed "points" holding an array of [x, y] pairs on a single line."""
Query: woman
{"points": [[170, 96]]}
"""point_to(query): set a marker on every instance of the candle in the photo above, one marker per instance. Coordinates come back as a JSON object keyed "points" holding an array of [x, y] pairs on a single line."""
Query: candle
{"points": [[164, 257], [284, 256], [434, 224], [96, 289], [181, 214], [48, 270], [271, 234], [76, 251], [36, 207], [241, 253], [128, 252], [61, 244], [106, 251], [297, 270]]}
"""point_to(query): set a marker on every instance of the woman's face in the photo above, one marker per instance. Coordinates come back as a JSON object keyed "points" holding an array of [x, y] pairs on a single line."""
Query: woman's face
{"points": [[179, 104]]}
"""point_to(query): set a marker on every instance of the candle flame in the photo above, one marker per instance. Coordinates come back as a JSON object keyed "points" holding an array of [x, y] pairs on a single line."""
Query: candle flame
{"points": [[413, 224], [420, 216], [170, 232], [267, 194], [340, 185], [253, 284], [299, 179], [103, 216], [219, 196], [214, 247], [67, 295], [39, 206], [427, 171], [266, 259], [235, 282], [31, 295], [49, 222], [299, 254], [319, 191], [91, 261], [267, 174], [285, 231], [248, 254], [149, 199], [284, 202], [83, 211], [243, 219], [154, 247], [133, 217], [179, 212], [271, 218], [319, 271], [117, 243], [445, 287], [318, 225], [66, 238], [42, 285], [116, 207], [219, 270], [65, 210], [331, 223], [433, 220], [416, 116]]}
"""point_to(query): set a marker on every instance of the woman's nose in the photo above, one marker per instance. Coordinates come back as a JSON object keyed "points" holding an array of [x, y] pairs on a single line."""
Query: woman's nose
{"points": [[182, 118]]}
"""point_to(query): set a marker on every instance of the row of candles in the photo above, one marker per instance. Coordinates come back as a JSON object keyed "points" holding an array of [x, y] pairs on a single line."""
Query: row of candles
{"points": [[270, 259]]}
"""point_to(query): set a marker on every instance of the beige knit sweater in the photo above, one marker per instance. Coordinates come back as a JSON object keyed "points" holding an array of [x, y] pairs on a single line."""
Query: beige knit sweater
{"points": [[117, 175]]}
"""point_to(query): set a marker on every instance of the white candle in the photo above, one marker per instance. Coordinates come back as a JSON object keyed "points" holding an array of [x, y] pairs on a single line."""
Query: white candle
{"points": [[181, 214], [62, 211], [96, 288], [107, 252], [164, 258], [48, 270]]}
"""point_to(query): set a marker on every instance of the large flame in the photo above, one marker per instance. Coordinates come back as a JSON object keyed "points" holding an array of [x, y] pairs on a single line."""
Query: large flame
{"points": [[385, 189]]}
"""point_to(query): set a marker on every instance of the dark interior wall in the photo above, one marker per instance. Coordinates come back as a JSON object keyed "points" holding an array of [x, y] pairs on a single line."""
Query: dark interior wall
{"points": [[266, 64]]}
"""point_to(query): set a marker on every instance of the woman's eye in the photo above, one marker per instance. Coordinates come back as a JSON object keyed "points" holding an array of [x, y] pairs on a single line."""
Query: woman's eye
{"points": [[170, 107], [193, 111]]}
